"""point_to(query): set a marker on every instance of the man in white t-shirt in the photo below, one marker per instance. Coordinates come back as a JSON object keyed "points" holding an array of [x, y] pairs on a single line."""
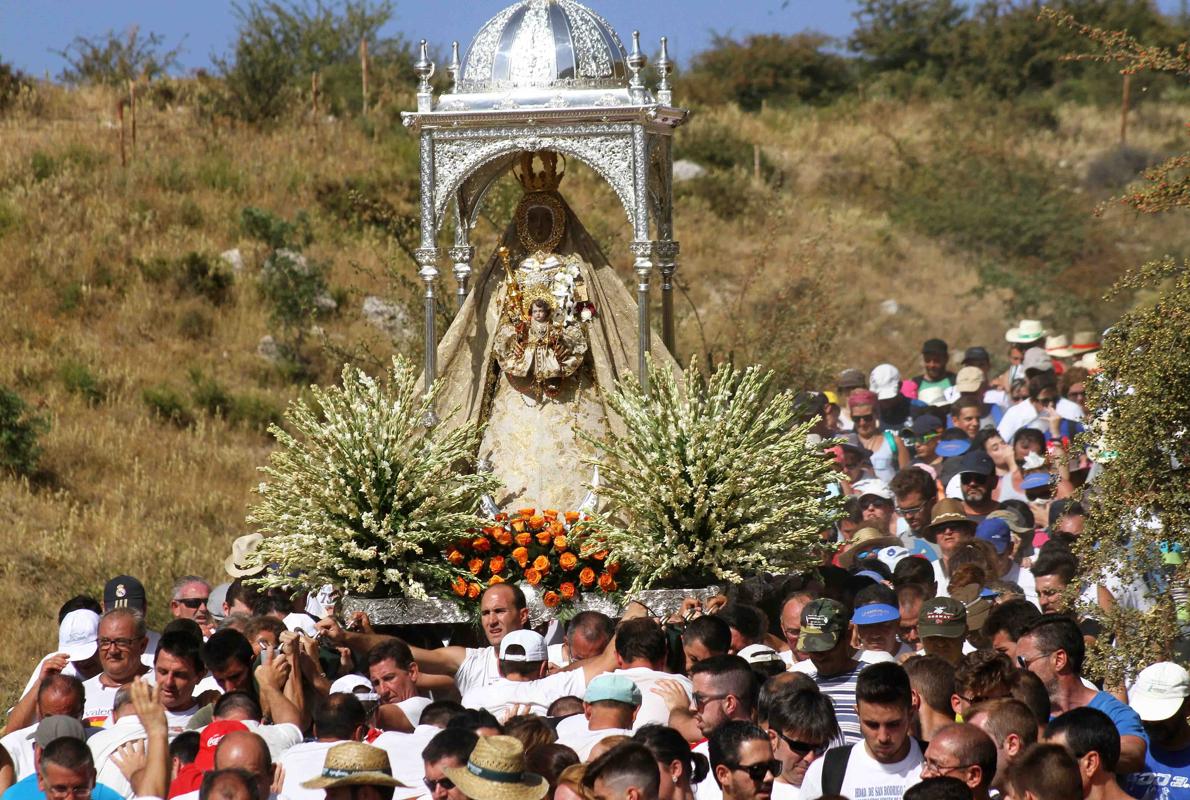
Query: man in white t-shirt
{"points": [[177, 670], [609, 706], [405, 750], [802, 725], [122, 642], [502, 609], [640, 650], [742, 762], [888, 760], [587, 636], [523, 683], [339, 717], [77, 635], [125, 591], [56, 695], [393, 675], [123, 727]]}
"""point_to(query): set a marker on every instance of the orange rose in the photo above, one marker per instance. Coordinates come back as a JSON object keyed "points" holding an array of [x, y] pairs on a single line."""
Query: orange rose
{"points": [[551, 599], [560, 542], [571, 517], [541, 564], [613, 569], [607, 583], [544, 538], [536, 522], [481, 544], [503, 537], [492, 581], [550, 514], [460, 586], [532, 576], [473, 591], [587, 576], [455, 557], [526, 512], [568, 561], [524, 539], [568, 590], [521, 556], [501, 517], [518, 525], [475, 565], [496, 564], [557, 528], [602, 554]]}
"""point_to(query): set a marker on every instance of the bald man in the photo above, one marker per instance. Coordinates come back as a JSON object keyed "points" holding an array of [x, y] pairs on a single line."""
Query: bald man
{"points": [[964, 752], [247, 751]]}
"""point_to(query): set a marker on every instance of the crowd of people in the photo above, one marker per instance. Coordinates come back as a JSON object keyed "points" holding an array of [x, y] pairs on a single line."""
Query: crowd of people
{"points": [[936, 653]]}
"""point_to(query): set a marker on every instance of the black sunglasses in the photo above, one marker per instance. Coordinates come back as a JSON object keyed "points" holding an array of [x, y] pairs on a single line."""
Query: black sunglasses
{"points": [[757, 771], [802, 748], [863, 417], [193, 602], [431, 784]]}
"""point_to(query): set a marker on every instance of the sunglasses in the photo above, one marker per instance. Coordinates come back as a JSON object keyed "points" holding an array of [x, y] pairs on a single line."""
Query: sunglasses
{"points": [[863, 417], [446, 783], [1047, 401], [192, 602], [801, 748], [757, 771], [701, 699], [875, 502]]}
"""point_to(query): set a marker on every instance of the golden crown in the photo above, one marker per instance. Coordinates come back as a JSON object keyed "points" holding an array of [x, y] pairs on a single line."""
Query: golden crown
{"points": [[547, 179]]}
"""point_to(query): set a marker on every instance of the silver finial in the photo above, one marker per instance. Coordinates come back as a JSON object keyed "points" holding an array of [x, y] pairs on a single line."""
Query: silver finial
{"points": [[665, 68], [455, 67], [424, 70], [636, 63]]}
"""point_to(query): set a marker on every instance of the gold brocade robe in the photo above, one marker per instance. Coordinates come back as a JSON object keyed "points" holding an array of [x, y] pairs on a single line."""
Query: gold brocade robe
{"points": [[539, 350]]}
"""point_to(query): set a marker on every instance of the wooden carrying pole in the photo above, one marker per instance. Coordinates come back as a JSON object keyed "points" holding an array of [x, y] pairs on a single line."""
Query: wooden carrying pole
{"points": [[132, 113]]}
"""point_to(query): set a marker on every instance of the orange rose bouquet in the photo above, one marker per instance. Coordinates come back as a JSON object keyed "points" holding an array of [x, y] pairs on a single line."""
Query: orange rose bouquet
{"points": [[538, 548]]}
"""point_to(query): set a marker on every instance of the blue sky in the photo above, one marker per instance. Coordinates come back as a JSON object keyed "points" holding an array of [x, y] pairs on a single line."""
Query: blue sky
{"points": [[31, 29]]}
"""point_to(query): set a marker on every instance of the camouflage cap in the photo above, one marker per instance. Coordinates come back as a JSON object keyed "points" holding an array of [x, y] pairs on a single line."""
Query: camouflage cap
{"points": [[942, 616], [824, 622]]}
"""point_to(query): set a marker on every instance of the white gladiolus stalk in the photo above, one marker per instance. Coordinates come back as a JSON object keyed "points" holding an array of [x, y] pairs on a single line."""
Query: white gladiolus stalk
{"points": [[362, 496], [711, 481]]}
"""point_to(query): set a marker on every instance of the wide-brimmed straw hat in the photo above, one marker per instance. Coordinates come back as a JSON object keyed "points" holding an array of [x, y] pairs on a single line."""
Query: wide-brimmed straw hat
{"points": [[1028, 332], [495, 770], [238, 564], [865, 540], [354, 764]]}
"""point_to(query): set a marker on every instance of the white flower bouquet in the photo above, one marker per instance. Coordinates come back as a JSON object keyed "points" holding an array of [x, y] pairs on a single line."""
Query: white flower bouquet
{"points": [[364, 496], [713, 480]]}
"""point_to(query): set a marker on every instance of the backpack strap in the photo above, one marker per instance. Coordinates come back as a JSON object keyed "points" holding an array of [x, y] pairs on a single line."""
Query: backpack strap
{"points": [[834, 767]]}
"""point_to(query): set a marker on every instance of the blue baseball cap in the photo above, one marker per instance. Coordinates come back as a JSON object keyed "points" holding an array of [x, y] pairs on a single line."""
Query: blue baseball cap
{"points": [[949, 448], [874, 614], [612, 687], [1035, 480], [995, 532]]}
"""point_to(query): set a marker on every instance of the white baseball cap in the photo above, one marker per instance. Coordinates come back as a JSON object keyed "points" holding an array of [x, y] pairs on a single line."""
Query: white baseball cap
{"points": [[873, 486], [759, 654], [352, 684], [78, 635], [885, 381], [1159, 691], [892, 555], [531, 642]]}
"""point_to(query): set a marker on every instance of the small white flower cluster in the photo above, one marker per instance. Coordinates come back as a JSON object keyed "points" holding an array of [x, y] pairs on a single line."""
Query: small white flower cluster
{"points": [[712, 480], [361, 495]]}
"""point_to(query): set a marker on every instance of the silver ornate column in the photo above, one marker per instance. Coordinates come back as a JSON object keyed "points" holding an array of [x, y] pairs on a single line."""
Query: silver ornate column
{"points": [[461, 254], [667, 262], [642, 246], [427, 255]]}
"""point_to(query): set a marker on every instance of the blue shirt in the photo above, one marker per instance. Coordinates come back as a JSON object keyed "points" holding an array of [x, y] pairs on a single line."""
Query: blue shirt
{"points": [[26, 789], [1126, 720], [1166, 776]]}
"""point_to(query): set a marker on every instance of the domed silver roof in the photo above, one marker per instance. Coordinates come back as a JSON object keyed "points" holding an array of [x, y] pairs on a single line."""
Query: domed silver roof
{"points": [[544, 44]]}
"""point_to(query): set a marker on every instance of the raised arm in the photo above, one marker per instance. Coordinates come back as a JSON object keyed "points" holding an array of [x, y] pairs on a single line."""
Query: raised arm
{"points": [[441, 661]]}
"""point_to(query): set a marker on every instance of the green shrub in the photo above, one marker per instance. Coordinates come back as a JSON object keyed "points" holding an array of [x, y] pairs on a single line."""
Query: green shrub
{"points": [[195, 324], [255, 412], [167, 404], [274, 231], [9, 217], [1115, 168], [114, 59], [217, 171], [209, 395], [206, 276], [190, 214], [43, 165], [12, 83], [173, 177], [78, 379], [156, 269], [728, 194], [70, 296], [20, 429]]}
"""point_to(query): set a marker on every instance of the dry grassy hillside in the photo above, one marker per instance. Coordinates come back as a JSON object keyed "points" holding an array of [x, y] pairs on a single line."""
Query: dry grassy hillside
{"points": [[106, 328]]}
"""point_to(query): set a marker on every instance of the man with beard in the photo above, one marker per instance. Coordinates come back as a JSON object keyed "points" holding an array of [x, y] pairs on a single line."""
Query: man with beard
{"points": [[977, 476], [725, 692], [915, 492], [934, 357], [742, 762], [1159, 697]]}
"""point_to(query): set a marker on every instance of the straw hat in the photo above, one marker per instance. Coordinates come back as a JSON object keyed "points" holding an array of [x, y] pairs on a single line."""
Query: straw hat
{"points": [[354, 764], [1029, 331], [1058, 346], [866, 539], [496, 771], [241, 550], [1084, 342]]}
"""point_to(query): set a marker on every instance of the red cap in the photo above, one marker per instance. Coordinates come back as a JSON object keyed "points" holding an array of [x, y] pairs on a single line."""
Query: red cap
{"points": [[190, 776]]}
